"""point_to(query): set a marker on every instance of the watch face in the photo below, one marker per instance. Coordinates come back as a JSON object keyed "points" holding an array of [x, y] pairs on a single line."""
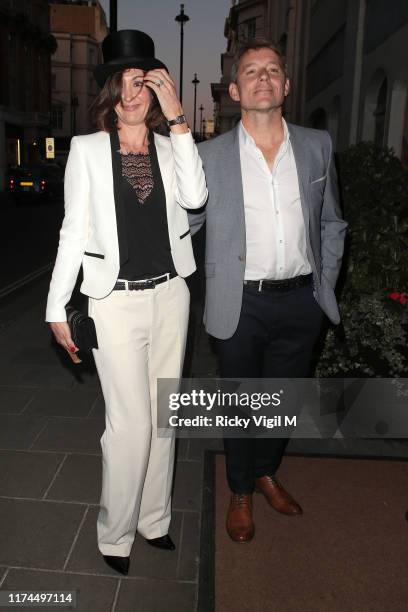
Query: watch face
{"points": [[177, 120]]}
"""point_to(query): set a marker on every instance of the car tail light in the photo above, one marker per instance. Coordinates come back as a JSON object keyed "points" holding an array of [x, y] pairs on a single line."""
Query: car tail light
{"points": [[11, 184], [42, 185]]}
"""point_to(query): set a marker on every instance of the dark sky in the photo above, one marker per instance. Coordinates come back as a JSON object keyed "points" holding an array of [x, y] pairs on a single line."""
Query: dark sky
{"points": [[203, 41]]}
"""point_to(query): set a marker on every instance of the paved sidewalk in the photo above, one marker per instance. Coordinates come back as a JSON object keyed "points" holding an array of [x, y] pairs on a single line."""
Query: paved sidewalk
{"points": [[51, 421]]}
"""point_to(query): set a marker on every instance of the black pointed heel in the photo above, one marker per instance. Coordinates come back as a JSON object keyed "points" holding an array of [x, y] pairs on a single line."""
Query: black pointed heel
{"points": [[165, 542], [119, 564]]}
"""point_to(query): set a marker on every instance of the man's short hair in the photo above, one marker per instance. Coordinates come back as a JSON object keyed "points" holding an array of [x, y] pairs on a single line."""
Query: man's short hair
{"points": [[253, 44]]}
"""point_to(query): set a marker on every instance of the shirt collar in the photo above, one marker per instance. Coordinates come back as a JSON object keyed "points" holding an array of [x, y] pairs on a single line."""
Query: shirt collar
{"points": [[247, 139]]}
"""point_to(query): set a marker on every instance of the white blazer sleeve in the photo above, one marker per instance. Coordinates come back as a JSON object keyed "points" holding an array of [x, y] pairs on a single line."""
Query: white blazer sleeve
{"points": [[191, 190], [73, 235]]}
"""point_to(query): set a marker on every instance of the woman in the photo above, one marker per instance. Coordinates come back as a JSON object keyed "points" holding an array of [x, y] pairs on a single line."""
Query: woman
{"points": [[126, 191]]}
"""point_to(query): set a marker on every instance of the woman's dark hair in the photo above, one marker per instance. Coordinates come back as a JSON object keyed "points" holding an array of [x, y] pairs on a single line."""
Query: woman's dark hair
{"points": [[103, 107]]}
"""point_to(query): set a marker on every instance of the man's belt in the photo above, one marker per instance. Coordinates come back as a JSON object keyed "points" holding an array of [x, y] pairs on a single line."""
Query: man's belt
{"points": [[276, 285], [140, 285]]}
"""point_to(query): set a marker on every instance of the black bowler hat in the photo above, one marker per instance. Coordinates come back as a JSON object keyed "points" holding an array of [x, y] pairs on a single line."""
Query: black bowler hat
{"points": [[126, 49]]}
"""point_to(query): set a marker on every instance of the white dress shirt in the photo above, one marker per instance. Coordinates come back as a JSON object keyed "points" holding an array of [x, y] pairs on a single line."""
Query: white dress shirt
{"points": [[275, 230]]}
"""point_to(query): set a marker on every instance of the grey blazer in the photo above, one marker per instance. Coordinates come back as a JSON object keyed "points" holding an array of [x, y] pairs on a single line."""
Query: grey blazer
{"points": [[225, 219]]}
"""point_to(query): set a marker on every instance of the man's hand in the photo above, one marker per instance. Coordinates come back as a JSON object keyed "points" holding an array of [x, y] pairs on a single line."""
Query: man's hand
{"points": [[62, 335]]}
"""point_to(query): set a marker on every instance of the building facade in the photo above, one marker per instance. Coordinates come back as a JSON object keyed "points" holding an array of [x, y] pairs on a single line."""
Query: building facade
{"points": [[279, 21], [25, 94], [356, 73], [246, 19], [79, 27], [345, 61], [208, 128]]}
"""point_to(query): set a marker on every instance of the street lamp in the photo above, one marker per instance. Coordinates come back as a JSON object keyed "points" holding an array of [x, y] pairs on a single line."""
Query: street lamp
{"points": [[201, 108], [113, 15], [195, 82], [181, 18]]}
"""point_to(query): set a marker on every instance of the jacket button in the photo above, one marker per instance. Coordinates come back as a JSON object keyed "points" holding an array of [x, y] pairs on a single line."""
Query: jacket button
{"points": [[241, 257]]}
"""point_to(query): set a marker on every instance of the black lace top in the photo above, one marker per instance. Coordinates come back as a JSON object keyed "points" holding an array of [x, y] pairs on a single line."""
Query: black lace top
{"points": [[145, 216], [137, 170]]}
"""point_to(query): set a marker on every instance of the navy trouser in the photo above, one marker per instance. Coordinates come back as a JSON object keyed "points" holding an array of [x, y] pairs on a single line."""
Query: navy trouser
{"points": [[275, 338]]}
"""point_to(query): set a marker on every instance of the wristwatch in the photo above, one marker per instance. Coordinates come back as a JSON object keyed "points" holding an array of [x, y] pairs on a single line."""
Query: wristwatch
{"points": [[177, 121]]}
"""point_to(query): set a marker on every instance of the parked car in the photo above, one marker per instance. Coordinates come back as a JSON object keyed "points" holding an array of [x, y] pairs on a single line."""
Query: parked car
{"points": [[39, 182]]}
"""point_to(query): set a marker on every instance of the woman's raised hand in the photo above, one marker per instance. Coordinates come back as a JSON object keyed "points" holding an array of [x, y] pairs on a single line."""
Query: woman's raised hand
{"points": [[163, 86]]}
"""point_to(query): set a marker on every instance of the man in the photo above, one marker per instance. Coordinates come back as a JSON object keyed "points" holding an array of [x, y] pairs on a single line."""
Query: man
{"points": [[273, 253]]}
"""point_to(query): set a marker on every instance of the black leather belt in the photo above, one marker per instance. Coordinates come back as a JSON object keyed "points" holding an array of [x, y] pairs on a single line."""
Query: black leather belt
{"points": [[286, 283], [147, 283]]}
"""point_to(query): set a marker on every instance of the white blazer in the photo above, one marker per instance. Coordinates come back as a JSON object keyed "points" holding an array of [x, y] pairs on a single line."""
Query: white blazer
{"points": [[89, 231]]}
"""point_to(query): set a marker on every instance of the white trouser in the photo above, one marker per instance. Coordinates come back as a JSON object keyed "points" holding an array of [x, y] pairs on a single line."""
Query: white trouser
{"points": [[141, 337]]}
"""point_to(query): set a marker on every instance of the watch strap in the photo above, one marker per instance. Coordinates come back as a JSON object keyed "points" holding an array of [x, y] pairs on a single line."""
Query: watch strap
{"points": [[177, 121]]}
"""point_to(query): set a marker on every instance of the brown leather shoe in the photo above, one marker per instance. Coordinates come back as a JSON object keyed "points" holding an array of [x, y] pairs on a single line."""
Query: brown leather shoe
{"points": [[276, 495], [240, 526]]}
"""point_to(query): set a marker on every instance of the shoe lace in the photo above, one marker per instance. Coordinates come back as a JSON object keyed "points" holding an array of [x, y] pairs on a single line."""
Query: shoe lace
{"points": [[240, 499], [274, 480]]}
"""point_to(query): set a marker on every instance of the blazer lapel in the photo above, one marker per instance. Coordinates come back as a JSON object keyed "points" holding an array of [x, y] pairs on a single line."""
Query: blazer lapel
{"points": [[232, 177], [164, 159], [118, 195], [301, 156], [303, 171]]}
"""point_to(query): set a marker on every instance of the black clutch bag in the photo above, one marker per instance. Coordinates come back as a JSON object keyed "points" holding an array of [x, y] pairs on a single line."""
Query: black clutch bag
{"points": [[82, 329]]}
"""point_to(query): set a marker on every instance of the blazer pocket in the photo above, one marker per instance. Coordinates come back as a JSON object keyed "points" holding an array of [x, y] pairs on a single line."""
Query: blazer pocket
{"points": [[318, 180], [209, 269], [184, 235], [98, 255]]}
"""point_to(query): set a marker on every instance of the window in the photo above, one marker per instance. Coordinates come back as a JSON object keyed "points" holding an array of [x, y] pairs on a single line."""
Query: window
{"points": [[251, 28], [379, 114], [318, 119], [56, 117], [375, 108], [283, 43], [247, 29]]}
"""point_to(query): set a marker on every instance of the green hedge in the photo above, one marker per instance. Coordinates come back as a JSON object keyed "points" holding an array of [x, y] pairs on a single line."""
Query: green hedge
{"points": [[372, 340], [374, 189]]}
